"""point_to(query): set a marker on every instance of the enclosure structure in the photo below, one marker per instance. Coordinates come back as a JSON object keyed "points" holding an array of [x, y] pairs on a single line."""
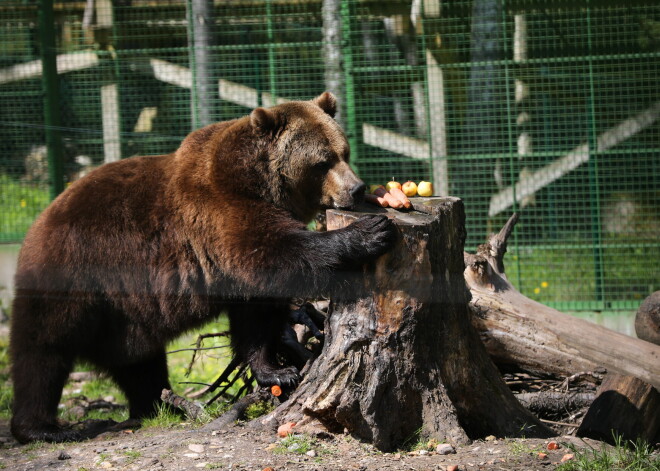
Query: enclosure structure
{"points": [[550, 108]]}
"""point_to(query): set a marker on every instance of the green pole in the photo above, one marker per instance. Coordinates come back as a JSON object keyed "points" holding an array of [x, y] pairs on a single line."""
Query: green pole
{"points": [[271, 52], [593, 173], [50, 85], [347, 54]]}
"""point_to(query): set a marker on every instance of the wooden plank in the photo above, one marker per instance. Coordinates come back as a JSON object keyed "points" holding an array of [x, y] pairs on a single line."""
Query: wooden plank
{"points": [[111, 124], [69, 62]]}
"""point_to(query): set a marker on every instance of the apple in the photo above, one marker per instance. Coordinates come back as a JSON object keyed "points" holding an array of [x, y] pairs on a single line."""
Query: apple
{"points": [[425, 189], [392, 184], [409, 188], [373, 188]]}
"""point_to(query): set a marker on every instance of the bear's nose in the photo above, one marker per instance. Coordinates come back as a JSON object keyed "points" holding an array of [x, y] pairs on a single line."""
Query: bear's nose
{"points": [[357, 192]]}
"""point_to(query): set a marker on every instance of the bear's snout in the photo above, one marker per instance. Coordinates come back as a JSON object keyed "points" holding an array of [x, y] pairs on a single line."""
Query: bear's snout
{"points": [[357, 192]]}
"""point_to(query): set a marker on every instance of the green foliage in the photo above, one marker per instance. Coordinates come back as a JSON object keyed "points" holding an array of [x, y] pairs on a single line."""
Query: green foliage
{"points": [[625, 455], [6, 393], [20, 204]]}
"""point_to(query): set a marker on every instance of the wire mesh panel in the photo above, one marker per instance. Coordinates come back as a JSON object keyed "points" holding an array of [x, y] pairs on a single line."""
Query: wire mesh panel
{"points": [[550, 108]]}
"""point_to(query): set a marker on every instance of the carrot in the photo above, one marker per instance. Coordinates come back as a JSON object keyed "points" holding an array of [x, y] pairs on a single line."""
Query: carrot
{"points": [[401, 196], [391, 200], [377, 200]]}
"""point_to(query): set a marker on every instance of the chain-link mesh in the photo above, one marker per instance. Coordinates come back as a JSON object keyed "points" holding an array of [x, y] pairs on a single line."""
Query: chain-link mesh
{"points": [[550, 108]]}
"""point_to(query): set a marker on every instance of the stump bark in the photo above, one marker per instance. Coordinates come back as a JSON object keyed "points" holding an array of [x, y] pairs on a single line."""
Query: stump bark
{"points": [[400, 356]]}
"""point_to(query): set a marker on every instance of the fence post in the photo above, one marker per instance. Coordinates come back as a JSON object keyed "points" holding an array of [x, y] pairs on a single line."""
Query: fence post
{"points": [[347, 53], [50, 87]]}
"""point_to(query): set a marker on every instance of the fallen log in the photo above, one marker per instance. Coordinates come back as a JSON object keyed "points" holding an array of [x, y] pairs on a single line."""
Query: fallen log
{"points": [[519, 331], [400, 356], [647, 319], [625, 407]]}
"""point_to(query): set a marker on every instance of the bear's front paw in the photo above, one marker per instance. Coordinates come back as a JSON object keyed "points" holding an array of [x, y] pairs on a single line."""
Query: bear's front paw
{"points": [[286, 377], [378, 234]]}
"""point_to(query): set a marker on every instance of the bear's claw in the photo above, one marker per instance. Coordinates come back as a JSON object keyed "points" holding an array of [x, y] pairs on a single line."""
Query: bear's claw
{"points": [[284, 377]]}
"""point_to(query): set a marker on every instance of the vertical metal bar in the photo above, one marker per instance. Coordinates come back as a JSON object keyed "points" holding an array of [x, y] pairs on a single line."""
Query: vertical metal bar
{"points": [[347, 54], [205, 88], [510, 139], [594, 185], [271, 53], [51, 89], [194, 114]]}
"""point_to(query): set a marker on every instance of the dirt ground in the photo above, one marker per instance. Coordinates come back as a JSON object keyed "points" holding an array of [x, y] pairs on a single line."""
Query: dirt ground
{"points": [[244, 448]]}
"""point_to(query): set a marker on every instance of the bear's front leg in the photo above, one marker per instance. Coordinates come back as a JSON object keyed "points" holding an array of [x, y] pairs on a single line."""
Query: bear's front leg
{"points": [[256, 326]]}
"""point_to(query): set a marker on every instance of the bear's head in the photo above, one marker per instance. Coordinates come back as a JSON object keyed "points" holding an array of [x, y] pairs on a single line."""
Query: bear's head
{"points": [[308, 156]]}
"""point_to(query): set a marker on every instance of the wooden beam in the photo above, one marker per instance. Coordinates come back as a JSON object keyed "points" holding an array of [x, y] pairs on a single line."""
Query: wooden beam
{"points": [[32, 70], [526, 187]]}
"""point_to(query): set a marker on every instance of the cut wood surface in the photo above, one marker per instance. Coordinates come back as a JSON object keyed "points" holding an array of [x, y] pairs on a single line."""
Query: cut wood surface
{"points": [[519, 331], [400, 357], [625, 406]]}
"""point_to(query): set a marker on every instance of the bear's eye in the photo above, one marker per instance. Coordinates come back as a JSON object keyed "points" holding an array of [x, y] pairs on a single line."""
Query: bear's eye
{"points": [[322, 166]]}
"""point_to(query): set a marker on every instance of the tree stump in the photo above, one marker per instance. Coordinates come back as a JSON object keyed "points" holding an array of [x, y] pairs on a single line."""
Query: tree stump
{"points": [[400, 356]]}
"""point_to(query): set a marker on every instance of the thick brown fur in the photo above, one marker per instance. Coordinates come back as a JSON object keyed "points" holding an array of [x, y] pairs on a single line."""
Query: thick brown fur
{"points": [[141, 250]]}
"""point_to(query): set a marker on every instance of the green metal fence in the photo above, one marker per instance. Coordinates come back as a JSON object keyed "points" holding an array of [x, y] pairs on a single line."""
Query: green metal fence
{"points": [[550, 108]]}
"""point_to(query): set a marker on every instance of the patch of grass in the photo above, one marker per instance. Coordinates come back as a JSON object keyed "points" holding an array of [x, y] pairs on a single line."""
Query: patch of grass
{"points": [[519, 447], [214, 466], [131, 455], [298, 444], [165, 418], [258, 409], [625, 455]]}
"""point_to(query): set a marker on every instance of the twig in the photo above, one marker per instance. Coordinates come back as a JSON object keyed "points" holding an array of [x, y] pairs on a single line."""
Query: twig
{"points": [[238, 409], [194, 349], [198, 346], [192, 410], [563, 424]]}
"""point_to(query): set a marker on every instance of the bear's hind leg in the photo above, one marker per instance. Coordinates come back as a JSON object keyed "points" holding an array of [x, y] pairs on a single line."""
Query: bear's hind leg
{"points": [[39, 376], [142, 383], [256, 329]]}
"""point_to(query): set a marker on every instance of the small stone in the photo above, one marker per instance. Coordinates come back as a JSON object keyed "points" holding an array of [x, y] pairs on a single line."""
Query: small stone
{"points": [[445, 449], [201, 465], [109, 398], [397, 456], [423, 452], [106, 465], [311, 454], [100, 450], [490, 438], [542, 455], [567, 457], [271, 447], [452, 467], [196, 448], [194, 456], [63, 456]]}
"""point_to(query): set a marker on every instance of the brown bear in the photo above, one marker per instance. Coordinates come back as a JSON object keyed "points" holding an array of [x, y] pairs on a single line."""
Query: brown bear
{"points": [[140, 250]]}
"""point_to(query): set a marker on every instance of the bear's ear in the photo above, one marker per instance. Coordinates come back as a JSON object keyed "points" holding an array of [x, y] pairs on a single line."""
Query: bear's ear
{"points": [[327, 102], [264, 120]]}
